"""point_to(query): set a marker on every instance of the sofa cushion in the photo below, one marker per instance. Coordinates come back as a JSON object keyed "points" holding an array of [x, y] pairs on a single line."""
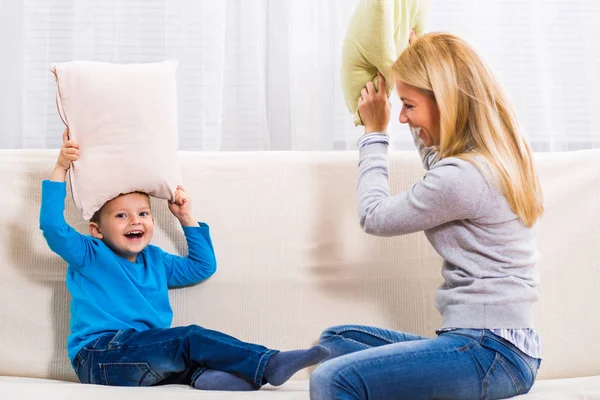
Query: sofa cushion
{"points": [[25, 388], [587, 388]]}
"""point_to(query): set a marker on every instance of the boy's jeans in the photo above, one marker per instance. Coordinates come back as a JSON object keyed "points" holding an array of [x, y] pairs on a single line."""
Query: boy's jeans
{"points": [[162, 356], [462, 364]]}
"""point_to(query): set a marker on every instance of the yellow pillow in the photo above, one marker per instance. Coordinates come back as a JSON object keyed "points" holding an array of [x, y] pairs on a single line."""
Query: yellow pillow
{"points": [[377, 35]]}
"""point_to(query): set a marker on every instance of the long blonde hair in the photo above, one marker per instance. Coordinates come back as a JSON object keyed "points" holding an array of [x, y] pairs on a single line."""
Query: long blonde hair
{"points": [[476, 116]]}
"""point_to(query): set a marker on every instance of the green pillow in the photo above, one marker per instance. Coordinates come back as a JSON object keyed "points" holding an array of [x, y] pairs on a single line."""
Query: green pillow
{"points": [[377, 35]]}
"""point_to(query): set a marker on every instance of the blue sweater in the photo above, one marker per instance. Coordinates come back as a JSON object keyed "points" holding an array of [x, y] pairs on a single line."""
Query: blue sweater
{"points": [[110, 293]]}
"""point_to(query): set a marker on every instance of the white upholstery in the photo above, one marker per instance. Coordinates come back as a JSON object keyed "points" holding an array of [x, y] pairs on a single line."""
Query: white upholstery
{"points": [[587, 388], [292, 261]]}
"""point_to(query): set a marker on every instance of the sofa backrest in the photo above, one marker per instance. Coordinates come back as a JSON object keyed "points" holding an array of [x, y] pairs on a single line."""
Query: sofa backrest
{"points": [[292, 259]]}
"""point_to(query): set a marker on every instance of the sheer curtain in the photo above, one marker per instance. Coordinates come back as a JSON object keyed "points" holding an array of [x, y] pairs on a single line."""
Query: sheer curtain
{"points": [[264, 74]]}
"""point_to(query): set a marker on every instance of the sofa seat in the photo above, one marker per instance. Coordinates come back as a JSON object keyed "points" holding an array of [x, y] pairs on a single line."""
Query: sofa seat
{"points": [[586, 388]]}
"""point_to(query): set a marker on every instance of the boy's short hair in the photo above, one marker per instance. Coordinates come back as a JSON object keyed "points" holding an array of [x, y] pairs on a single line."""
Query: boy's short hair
{"points": [[96, 217]]}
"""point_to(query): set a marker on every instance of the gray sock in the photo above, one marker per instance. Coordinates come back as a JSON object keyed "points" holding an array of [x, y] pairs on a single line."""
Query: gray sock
{"points": [[281, 366], [219, 380]]}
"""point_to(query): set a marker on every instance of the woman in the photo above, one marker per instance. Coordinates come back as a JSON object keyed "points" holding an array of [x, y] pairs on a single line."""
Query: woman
{"points": [[477, 204]]}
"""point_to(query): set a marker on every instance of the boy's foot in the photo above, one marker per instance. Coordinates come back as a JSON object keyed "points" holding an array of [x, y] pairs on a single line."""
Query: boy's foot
{"points": [[283, 365], [219, 380]]}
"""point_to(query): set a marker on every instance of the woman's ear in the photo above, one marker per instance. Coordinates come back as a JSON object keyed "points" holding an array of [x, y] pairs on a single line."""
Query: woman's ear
{"points": [[95, 230], [412, 37]]}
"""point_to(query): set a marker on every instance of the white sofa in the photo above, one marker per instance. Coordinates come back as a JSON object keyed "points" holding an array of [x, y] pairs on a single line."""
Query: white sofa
{"points": [[292, 260]]}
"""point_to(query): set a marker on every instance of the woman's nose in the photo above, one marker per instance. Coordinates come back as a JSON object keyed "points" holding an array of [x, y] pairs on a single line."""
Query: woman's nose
{"points": [[403, 118]]}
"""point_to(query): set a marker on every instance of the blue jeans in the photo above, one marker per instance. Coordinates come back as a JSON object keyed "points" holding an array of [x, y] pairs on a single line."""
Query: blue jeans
{"points": [[163, 356], [372, 363]]}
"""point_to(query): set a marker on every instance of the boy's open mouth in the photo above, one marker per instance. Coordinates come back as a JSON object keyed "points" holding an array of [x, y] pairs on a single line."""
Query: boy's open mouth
{"points": [[134, 235]]}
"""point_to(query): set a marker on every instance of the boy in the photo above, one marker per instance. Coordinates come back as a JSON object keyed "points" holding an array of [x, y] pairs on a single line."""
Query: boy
{"points": [[120, 310]]}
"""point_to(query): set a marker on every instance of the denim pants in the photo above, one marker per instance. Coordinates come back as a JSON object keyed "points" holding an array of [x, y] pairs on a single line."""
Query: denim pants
{"points": [[163, 356], [464, 364]]}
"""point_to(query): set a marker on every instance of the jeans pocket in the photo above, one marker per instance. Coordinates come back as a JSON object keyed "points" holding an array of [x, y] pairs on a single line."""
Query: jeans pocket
{"points": [[502, 380], [80, 367], [127, 374]]}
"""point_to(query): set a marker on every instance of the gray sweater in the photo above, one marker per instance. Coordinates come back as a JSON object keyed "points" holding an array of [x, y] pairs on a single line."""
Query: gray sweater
{"points": [[489, 255]]}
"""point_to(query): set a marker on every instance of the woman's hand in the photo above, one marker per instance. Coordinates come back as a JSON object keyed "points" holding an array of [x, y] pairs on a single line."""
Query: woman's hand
{"points": [[374, 106]]}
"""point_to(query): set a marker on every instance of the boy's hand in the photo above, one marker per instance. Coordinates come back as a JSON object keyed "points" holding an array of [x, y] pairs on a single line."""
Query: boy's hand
{"points": [[69, 152], [182, 208]]}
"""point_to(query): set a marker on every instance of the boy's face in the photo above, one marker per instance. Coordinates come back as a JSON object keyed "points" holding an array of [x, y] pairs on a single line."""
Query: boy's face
{"points": [[125, 225]]}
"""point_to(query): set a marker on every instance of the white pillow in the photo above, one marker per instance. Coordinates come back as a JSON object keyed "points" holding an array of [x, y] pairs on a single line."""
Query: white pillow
{"points": [[124, 119]]}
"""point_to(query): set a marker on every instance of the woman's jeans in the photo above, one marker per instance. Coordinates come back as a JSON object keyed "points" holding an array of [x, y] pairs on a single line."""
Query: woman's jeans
{"points": [[379, 364], [162, 356]]}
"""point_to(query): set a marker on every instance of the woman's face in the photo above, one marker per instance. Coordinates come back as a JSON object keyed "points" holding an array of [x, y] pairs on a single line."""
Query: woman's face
{"points": [[420, 111]]}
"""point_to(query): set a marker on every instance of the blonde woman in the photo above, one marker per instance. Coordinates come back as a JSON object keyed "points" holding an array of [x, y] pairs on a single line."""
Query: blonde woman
{"points": [[478, 204]]}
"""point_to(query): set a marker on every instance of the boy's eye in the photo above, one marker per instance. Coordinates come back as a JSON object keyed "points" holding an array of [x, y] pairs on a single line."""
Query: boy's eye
{"points": [[120, 215], [144, 214]]}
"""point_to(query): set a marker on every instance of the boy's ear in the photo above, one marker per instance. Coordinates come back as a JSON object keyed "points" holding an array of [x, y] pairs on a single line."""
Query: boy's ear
{"points": [[95, 230]]}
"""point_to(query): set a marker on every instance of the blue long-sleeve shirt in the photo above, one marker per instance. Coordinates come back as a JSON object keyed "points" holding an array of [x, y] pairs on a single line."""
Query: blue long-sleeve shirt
{"points": [[110, 293]]}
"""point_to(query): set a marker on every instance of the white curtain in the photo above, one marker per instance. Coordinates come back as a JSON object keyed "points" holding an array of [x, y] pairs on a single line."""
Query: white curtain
{"points": [[264, 74]]}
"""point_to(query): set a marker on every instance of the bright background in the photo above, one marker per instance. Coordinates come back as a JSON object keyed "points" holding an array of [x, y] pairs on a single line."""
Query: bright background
{"points": [[264, 74]]}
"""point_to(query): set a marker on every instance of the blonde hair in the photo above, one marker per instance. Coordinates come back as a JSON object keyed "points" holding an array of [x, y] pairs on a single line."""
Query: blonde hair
{"points": [[476, 116]]}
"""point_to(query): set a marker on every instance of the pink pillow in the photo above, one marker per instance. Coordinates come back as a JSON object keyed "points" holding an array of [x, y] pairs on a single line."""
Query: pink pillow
{"points": [[124, 118]]}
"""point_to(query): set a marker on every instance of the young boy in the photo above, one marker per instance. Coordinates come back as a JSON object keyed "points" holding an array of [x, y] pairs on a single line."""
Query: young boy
{"points": [[120, 311]]}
